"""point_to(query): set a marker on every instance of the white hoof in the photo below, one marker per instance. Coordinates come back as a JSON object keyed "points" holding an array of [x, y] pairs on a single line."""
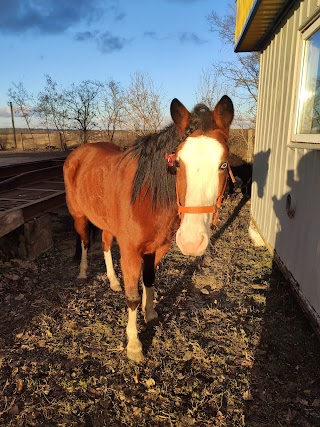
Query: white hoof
{"points": [[135, 354], [115, 284]]}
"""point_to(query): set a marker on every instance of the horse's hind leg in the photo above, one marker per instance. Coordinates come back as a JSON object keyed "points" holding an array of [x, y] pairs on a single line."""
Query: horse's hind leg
{"points": [[150, 315], [106, 245], [81, 225]]}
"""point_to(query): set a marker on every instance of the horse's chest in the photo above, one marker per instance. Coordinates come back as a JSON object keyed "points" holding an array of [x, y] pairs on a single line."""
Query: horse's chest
{"points": [[157, 232]]}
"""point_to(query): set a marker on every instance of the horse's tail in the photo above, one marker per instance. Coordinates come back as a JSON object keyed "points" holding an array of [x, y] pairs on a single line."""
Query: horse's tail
{"points": [[70, 170]]}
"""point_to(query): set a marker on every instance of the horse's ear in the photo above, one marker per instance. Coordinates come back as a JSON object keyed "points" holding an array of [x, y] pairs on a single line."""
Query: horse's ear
{"points": [[180, 115], [223, 113]]}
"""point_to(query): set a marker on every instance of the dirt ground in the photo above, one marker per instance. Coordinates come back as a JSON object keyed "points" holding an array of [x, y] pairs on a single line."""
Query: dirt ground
{"points": [[232, 348]]}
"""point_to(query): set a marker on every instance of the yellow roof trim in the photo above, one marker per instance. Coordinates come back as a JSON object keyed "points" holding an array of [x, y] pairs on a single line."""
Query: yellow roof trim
{"points": [[255, 20]]}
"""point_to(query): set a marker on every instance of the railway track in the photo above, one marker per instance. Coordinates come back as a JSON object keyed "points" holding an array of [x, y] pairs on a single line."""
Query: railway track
{"points": [[28, 190]]}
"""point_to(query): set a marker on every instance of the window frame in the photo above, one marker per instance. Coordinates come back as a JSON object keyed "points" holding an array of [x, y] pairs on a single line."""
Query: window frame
{"points": [[312, 140]]}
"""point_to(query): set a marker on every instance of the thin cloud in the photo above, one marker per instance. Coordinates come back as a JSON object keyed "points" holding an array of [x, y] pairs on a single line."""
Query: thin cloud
{"points": [[185, 37], [85, 36], [106, 42], [155, 36], [52, 16], [151, 35], [191, 38]]}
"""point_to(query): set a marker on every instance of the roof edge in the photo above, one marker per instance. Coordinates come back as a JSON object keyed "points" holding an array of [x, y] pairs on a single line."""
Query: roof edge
{"points": [[247, 24]]}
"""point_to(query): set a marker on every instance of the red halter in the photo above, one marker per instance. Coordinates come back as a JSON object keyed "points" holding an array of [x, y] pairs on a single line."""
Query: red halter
{"points": [[202, 209]]}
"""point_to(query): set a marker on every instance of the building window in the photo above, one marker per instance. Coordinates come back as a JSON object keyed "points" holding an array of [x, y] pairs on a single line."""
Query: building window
{"points": [[307, 126]]}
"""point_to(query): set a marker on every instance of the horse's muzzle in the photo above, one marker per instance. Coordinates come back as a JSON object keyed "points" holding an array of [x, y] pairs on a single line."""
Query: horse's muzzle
{"points": [[195, 246]]}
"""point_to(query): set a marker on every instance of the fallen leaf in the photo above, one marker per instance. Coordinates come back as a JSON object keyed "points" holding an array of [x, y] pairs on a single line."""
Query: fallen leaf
{"points": [[247, 395], [150, 382], [20, 335], [19, 385], [316, 403], [204, 291], [187, 356], [48, 333], [136, 411], [13, 277], [14, 410], [302, 401], [14, 372]]}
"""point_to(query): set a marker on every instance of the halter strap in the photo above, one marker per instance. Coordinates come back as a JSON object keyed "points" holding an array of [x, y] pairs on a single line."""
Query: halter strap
{"points": [[207, 209]]}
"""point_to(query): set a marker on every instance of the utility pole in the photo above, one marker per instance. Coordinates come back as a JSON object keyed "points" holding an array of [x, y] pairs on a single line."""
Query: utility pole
{"points": [[14, 129]]}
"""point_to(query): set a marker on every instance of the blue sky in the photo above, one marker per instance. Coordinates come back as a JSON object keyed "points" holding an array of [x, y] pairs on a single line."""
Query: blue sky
{"points": [[76, 40]]}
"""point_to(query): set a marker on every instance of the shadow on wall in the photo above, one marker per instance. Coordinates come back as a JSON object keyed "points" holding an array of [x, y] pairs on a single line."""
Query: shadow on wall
{"points": [[260, 170], [298, 235]]}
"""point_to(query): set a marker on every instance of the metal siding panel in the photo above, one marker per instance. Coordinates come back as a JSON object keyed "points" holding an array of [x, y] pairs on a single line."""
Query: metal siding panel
{"points": [[259, 124], [263, 101], [291, 170], [298, 244], [273, 65], [312, 7]]}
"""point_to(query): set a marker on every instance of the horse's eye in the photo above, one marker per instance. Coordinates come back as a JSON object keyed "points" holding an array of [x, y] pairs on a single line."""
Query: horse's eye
{"points": [[224, 165], [177, 164]]}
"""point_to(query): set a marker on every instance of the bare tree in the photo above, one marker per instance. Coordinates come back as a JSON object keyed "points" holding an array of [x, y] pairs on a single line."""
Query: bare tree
{"points": [[82, 105], [22, 103], [243, 72], [211, 88], [111, 107], [143, 104], [52, 110]]}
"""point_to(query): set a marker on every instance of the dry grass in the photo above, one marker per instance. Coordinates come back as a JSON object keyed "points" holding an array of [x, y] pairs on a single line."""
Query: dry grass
{"points": [[232, 347]]}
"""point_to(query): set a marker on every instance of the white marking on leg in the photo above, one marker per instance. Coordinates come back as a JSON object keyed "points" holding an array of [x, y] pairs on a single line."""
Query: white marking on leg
{"points": [[83, 263], [147, 304], [114, 282], [134, 347]]}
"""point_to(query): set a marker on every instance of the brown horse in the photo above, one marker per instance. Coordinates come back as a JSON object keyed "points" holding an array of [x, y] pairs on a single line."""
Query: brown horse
{"points": [[167, 183]]}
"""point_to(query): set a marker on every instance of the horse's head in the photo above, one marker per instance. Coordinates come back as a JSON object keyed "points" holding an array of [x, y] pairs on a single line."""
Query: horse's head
{"points": [[201, 169]]}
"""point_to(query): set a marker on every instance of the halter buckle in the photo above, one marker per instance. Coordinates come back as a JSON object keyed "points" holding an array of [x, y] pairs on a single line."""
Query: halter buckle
{"points": [[170, 158]]}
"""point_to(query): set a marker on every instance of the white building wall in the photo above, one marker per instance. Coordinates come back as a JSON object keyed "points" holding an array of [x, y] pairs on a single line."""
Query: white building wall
{"points": [[279, 169]]}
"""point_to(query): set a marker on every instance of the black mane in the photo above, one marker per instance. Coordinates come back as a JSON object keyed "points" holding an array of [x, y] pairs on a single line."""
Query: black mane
{"points": [[150, 150], [152, 173]]}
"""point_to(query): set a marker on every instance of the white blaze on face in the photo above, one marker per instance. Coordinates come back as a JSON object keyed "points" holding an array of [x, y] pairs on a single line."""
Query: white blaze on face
{"points": [[202, 157]]}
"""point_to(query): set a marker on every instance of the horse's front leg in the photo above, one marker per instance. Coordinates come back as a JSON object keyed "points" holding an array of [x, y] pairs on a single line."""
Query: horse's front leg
{"points": [[150, 263], [150, 315], [131, 269]]}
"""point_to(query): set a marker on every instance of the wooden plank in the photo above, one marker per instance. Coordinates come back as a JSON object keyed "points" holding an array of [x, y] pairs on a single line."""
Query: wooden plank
{"points": [[30, 177], [9, 221], [41, 206]]}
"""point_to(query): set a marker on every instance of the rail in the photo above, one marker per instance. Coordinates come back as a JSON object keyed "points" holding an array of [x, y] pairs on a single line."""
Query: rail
{"points": [[28, 191]]}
